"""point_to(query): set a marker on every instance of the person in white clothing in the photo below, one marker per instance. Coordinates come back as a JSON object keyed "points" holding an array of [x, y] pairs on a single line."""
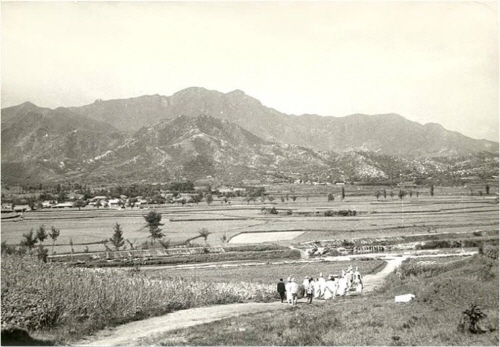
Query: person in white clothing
{"points": [[330, 288], [288, 288], [322, 285], [305, 284], [342, 285], [294, 288], [317, 289]]}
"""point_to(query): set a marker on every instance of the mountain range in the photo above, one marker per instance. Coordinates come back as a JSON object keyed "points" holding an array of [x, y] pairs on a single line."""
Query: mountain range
{"points": [[197, 133]]}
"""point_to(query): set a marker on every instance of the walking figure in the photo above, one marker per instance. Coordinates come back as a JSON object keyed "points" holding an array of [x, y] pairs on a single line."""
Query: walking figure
{"points": [[281, 289]]}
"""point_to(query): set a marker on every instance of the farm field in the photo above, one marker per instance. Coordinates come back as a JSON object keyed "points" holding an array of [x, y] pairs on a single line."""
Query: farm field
{"points": [[266, 273], [387, 217]]}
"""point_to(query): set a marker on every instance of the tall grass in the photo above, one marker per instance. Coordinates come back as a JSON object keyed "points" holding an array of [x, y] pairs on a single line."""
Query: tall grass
{"points": [[74, 301]]}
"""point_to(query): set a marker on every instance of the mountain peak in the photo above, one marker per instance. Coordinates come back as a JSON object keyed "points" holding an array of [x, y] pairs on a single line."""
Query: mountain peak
{"points": [[237, 92], [194, 91]]}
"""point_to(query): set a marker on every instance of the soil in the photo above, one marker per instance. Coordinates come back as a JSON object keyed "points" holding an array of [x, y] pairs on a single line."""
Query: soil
{"points": [[132, 334]]}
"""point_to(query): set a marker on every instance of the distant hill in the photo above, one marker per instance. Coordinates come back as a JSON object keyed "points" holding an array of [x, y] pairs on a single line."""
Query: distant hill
{"points": [[389, 134], [197, 133], [195, 147], [40, 143]]}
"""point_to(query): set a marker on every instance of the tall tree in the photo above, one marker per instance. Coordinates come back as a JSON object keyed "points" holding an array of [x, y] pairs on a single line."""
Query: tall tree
{"points": [[343, 193], [487, 188], [54, 234], [117, 240], [41, 233], [153, 220], [432, 190]]}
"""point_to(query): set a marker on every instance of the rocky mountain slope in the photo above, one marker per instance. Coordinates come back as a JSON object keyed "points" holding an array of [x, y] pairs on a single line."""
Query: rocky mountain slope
{"points": [[198, 133], [389, 134]]}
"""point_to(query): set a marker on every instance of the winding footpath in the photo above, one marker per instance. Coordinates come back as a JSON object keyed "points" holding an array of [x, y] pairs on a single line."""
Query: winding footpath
{"points": [[131, 334]]}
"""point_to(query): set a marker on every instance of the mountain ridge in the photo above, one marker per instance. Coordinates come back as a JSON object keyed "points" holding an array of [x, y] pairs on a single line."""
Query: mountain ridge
{"points": [[389, 133], [197, 132]]}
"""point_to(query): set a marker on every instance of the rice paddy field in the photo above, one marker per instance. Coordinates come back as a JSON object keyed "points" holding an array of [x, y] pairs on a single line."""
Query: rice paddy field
{"points": [[450, 210], [266, 273]]}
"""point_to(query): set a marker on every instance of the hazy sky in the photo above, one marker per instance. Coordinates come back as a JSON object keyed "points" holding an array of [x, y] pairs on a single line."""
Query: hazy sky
{"points": [[427, 61]]}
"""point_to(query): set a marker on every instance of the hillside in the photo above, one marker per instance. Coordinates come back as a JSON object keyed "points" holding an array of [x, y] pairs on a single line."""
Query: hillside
{"points": [[388, 134], [197, 133], [192, 148], [42, 144]]}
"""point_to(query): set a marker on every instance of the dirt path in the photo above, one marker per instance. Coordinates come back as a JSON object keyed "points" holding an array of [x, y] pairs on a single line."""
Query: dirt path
{"points": [[131, 334]]}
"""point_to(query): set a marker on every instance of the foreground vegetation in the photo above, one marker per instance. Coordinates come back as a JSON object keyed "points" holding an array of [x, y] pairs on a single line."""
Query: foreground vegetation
{"points": [[443, 292], [67, 303]]}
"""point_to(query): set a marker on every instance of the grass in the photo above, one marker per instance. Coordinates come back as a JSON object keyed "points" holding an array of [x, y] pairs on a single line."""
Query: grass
{"points": [[375, 319], [69, 303]]}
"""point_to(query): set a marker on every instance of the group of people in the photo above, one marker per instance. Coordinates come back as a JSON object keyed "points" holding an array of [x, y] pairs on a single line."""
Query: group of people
{"points": [[321, 288]]}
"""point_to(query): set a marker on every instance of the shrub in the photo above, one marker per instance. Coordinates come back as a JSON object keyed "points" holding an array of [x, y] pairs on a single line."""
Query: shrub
{"points": [[470, 319]]}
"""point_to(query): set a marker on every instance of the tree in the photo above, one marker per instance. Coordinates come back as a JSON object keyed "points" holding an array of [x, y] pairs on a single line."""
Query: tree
{"points": [[79, 203], [401, 194], [209, 198], [392, 194], [153, 219], [29, 240], [54, 234], [432, 190], [271, 199], [487, 188], [377, 194], [282, 199], [204, 233], [197, 198], [41, 233], [343, 193], [331, 197], [294, 198], [385, 193], [117, 240]]}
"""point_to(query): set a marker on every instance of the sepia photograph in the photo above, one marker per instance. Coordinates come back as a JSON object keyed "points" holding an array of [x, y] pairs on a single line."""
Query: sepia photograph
{"points": [[257, 173]]}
